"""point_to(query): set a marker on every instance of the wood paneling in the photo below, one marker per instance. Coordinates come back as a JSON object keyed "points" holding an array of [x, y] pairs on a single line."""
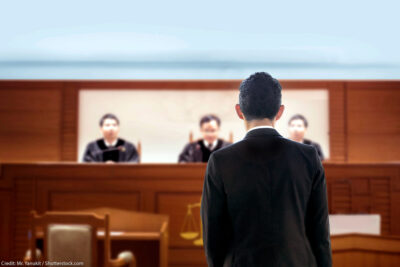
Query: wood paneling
{"points": [[373, 124], [6, 238], [30, 115], [175, 204], [373, 147], [169, 189], [337, 122], [41, 117], [83, 200], [24, 192], [368, 189], [69, 126], [365, 250]]}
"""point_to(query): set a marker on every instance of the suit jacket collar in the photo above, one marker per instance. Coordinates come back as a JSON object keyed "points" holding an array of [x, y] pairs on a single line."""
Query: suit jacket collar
{"points": [[262, 132]]}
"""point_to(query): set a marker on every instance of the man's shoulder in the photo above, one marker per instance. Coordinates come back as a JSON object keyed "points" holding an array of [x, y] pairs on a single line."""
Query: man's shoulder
{"points": [[311, 143], [224, 143], [125, 143], [193, 144], [303, 146], [239, 146], [228, 149], [94, 143]]}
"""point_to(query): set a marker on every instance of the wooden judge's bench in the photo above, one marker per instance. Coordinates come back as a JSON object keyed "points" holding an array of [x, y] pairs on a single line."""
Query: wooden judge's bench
{"points": [[175, 190]]}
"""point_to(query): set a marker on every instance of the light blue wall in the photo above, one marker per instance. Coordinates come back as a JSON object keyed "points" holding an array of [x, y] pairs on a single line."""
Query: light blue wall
{"points": [[199, 39]]}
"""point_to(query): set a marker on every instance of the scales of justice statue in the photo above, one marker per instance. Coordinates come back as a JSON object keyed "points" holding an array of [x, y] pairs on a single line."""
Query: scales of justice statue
{"points": [[190, 229]]}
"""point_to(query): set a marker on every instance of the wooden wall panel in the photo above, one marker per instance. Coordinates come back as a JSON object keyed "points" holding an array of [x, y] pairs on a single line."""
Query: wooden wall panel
{"points": [[373, 124], [190, 257], [395, 202], [362, 196], [356, 250], [74, 200], [176, 205], [373, 148], [24, 202], [65, 194], [30, 115], [364, 190], [340, 196], [337, 122], [6, 237], [69, 126]]}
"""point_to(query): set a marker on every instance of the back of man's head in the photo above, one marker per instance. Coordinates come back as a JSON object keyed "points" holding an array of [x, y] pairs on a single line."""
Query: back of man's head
{"points": [[260, 96]]}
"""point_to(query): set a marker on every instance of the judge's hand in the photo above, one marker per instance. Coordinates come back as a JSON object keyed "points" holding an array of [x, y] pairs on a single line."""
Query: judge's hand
{"points": [[110, 162]]}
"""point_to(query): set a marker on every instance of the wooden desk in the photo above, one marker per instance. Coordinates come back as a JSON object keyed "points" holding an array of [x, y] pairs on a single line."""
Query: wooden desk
{"points": [[360, 250], [145, 234], [146, 247], [167, 189]]}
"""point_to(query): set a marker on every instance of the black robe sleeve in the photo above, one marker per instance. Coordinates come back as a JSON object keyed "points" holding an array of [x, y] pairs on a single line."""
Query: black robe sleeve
{"points": [[132, 154], [316, 146], [191, 153], [92, 153], [187, 154], [319, 151]]}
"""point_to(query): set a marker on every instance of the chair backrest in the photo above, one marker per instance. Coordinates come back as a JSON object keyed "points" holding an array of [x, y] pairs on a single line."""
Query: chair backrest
{"points": [[139, 151], [70, 236]]}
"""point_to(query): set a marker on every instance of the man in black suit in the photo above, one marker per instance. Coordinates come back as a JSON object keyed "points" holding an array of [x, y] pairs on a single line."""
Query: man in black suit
{"points": [[264, 199]]}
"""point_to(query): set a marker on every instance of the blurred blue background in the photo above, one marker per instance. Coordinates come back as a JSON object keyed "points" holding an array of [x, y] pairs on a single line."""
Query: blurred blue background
{"points": [[199, 40]]}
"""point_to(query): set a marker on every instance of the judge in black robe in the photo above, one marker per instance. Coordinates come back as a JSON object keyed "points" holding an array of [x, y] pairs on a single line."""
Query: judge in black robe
{"points": [[316, 146], [201, 150], [298, 125], [110, 148], [122, 151]]}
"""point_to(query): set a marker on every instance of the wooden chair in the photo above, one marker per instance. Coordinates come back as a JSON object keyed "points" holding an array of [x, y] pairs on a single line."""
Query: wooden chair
{"points": [[139, 150], [191, 139], [72, 236]]}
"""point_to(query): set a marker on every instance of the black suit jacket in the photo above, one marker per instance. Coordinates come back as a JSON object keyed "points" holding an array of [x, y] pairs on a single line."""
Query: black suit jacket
{"points": [[264, 204]]}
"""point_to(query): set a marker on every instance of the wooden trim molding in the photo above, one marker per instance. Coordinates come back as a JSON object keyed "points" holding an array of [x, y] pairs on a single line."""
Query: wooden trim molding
{"points": [[337, 122], [69, 126]]}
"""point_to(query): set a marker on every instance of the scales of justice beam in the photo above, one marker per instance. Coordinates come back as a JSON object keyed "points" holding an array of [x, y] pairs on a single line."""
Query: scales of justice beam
{"points": [[190, 229]]}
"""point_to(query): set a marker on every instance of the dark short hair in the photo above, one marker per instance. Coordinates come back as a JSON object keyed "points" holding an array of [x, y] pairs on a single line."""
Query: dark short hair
{"points": [[299, 117], [208, 118], [260, 96], [108, 116]]}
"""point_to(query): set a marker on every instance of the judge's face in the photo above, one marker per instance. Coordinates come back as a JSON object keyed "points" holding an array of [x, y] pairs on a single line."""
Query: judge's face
{"points": [[110, 129], [297, 130], [210, 131]]}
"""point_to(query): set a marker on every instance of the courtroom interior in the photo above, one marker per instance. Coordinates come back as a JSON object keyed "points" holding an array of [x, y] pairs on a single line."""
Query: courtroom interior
{"points": [[106, 126]]}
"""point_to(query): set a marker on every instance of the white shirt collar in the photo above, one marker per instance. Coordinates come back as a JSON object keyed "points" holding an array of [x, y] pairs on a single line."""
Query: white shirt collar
{"points": [[110, 145], [214, 144], [261, 127]]}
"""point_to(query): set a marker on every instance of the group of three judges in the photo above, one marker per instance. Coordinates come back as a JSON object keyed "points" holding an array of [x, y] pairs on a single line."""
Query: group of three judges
{"points": [[111, 148]]}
